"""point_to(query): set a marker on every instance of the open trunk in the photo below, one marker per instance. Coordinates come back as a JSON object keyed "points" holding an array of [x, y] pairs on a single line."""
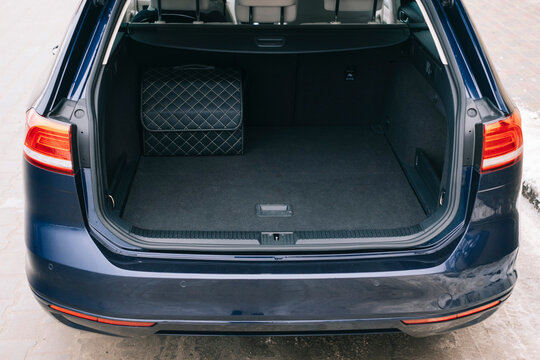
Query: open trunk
{"points": [[339, 144]]}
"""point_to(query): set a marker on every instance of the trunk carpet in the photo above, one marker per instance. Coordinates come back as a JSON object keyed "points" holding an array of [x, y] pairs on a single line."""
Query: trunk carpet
{"points": [[335, 178]]}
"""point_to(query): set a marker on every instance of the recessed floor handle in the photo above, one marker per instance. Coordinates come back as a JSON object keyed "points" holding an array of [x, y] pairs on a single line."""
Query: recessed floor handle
{"points": [[271, 42], [274, 210]]}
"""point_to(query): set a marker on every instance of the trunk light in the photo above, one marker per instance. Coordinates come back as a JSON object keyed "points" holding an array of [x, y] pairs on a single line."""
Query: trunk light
{"points": [[503, 143], [451, 317], [102, 320], [48, 143]]}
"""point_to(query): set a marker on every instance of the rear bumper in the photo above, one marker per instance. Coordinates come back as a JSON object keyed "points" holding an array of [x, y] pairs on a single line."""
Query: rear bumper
{"points": [[70, 271], [226, 294], [269, 327]]}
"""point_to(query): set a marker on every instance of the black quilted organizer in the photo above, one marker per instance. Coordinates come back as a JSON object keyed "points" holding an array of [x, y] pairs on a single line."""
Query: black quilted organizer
{"points": [[192, 110]]}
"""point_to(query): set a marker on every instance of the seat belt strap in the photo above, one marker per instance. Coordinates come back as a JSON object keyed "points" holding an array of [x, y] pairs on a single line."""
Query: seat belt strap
{"points": [[197, 11], [336, 12], [374, 12], [159, 15]]}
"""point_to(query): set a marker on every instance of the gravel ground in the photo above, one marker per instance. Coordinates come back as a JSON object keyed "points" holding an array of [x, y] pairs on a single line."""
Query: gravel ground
{"points": [[29, 30]]}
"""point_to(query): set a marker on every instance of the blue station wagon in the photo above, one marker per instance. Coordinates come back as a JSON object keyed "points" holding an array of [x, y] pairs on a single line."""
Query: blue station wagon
{"points": [[272, 167]]}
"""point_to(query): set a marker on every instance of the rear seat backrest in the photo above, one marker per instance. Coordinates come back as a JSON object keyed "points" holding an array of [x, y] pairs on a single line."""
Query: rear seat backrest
{"points": [[180, 5], [352, 5], [265, 11], [359, 6]]}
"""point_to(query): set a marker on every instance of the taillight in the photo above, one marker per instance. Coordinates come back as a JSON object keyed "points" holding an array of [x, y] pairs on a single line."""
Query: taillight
{"points": [[503, 143], [48, 143]]}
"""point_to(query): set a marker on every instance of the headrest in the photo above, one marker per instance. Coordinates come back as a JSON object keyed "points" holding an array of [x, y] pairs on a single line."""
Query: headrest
{"points": [[266, 11], [266, 3]]}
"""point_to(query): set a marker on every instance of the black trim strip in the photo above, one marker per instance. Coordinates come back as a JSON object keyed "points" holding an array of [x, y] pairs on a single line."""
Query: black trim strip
{"points": [[254, 235]]}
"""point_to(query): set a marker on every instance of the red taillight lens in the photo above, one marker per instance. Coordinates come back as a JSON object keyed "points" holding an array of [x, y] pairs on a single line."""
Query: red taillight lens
{"points": [[48, 143], [503, 143]]}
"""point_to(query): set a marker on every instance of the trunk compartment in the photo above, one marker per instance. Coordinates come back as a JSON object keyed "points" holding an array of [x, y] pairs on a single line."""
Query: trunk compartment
{"points": [[333, 178], [335, 144]]}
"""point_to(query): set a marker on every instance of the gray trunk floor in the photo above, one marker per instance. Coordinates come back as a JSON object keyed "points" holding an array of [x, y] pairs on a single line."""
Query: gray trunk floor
{"points": [[335, 178]]}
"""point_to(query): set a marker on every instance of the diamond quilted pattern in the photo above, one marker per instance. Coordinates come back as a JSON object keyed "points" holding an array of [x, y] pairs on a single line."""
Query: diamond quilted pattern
{"points": [[176, 99], [192, 111], [195, 143]]}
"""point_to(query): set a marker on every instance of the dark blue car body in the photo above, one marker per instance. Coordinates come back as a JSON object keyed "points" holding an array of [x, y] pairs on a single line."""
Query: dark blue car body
{"points": [[72, 264]]}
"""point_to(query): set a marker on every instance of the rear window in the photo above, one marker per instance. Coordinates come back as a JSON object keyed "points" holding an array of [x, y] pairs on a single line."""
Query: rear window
{"points": [[279, 12]]}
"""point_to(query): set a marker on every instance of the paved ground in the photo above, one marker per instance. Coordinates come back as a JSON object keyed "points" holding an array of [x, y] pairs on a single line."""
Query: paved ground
{"points": [[28, 31], [511, 32]]}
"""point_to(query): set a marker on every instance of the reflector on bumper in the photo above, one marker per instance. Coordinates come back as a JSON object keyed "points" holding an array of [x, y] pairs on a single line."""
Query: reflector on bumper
{"points": [[451, 317], [102, 320]]}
